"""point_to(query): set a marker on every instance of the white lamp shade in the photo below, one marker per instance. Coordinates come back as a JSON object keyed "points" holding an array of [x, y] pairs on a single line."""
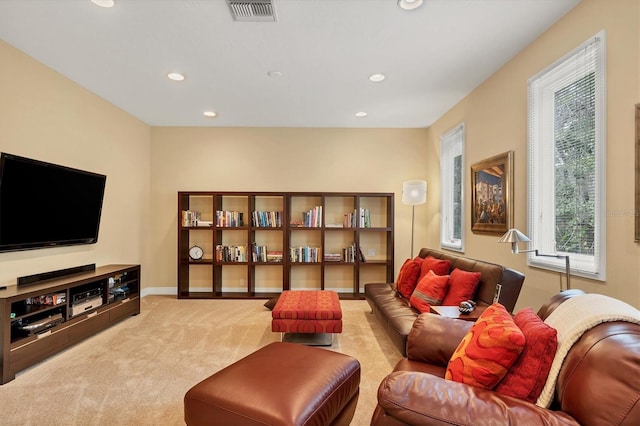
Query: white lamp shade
{"points": [[514, 236], [414, 192]]}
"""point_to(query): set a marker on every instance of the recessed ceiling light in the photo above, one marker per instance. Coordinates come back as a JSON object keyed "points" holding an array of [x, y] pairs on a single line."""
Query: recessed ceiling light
{"points": [[376, 77], [409, 4], [361, 114], [210, 114], [175, 76], [104, 3]]}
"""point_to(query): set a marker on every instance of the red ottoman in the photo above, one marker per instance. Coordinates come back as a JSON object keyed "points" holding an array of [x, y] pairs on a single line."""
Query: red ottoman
{"points": [[307, 312]]}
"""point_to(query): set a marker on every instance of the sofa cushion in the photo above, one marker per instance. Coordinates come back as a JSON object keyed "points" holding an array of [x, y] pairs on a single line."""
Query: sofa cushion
{"points": [[438, 266], [526, 378], [408, 277], [488, 350], [462, 286], [430, 291]]}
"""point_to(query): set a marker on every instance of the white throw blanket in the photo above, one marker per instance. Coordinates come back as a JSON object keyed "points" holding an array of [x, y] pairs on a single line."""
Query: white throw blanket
{"points": [[572, 318]]}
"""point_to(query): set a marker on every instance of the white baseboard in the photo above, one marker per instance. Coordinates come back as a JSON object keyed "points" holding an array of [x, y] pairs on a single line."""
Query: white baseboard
{"points": [[164, 291]]}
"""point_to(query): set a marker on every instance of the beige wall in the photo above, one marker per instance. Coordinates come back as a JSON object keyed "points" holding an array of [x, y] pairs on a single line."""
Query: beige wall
{"points": [[495, 118], [273, 159], [44, 115]]}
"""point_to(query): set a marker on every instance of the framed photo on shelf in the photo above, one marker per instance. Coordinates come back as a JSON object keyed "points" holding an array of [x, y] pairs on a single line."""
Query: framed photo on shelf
{"points": [[491, 194]]}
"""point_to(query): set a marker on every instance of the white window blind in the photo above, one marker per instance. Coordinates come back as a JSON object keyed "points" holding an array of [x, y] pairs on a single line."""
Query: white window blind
{"points": [[566, 104], [451, 189]]}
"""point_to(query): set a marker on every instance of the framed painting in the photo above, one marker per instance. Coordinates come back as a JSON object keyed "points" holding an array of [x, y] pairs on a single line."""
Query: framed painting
{"points": [[491, 194]]}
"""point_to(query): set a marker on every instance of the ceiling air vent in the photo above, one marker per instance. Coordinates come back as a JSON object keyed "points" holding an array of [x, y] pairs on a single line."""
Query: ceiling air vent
{"points": [[252, 10]]}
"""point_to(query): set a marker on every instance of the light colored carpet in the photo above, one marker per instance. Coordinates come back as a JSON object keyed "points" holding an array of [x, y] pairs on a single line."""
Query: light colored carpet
{"points": [[137, 372]]}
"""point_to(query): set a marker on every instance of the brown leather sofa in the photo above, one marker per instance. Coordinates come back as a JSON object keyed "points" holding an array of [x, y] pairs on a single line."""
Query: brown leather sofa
{"points": [[598, 384], [397, 316]]}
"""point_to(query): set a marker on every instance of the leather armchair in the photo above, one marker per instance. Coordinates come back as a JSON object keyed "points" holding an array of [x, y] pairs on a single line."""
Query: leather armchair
{"points": [[599, 383]]}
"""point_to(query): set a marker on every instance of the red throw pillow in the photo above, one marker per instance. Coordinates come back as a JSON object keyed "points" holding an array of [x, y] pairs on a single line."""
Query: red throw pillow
{"points": [[438, 266], [462, 286], [528, 375], [429, 291], [408, 278], [488, 350]]}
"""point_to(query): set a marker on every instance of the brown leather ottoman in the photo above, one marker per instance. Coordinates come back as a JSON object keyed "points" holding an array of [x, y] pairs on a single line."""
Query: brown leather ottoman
{"points": [[279, 384]]}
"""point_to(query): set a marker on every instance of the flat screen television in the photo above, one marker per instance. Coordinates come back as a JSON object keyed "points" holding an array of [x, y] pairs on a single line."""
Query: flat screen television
{"points": [[47, 205]]}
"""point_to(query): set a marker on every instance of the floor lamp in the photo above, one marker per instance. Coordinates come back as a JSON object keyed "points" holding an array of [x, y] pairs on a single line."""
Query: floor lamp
{"points": [[514, 237], [414, 192]]}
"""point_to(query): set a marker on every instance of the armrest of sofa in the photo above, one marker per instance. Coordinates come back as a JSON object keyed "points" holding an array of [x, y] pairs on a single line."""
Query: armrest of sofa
{"points": [[421, 398], [434, 338]]}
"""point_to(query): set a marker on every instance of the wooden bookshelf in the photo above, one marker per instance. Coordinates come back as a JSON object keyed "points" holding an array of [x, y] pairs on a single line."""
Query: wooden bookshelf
{"points": [[295, 230]]}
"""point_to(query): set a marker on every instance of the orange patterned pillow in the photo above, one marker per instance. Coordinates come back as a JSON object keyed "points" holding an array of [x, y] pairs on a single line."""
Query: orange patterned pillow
{"points": [[488, 350], [429, 291]]}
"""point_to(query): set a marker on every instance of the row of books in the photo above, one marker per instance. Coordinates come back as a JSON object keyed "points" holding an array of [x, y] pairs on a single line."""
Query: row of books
{"points": [[352, 253], [264, 219], [261, 254], [304, 254], [229, 219], [231, 253], [311, 218], [359, 218], [190, 217]]}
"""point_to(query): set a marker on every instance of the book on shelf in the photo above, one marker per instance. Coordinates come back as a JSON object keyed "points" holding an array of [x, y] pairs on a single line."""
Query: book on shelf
{"points": [[312, 218], [261, 254], [266, 219], [352, 253], [229, 219], [231, 253], [258, 253], [304, 254], [190, 217], [359, 218], [274, 256], [332, 257], [362, 258]]}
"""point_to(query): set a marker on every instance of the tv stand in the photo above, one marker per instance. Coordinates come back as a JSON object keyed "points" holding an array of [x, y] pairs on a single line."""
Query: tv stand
{"points": [[51, 314]]}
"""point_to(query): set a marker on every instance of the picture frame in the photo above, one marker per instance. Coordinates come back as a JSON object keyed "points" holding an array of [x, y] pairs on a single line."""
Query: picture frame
{"points": [[492, 194], [637, 185]]}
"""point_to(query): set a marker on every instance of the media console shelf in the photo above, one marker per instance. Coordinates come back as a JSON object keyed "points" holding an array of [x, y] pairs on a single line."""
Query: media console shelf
{"points": [[42, 319]]}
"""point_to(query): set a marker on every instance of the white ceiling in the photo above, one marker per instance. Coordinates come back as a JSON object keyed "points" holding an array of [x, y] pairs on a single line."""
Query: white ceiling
{"points": [[325, 49]]}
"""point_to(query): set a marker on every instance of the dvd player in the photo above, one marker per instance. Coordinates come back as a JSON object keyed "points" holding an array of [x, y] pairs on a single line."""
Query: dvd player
{"points": [[86, 295], [41, 325], [85, 305]]}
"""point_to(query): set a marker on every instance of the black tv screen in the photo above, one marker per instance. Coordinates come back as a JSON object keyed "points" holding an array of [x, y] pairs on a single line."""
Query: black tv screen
{"points": [[47, 205]]}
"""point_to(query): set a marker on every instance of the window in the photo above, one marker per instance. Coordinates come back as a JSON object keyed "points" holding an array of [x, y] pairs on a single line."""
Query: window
{"points": [[566, 161], [451, 181]]}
